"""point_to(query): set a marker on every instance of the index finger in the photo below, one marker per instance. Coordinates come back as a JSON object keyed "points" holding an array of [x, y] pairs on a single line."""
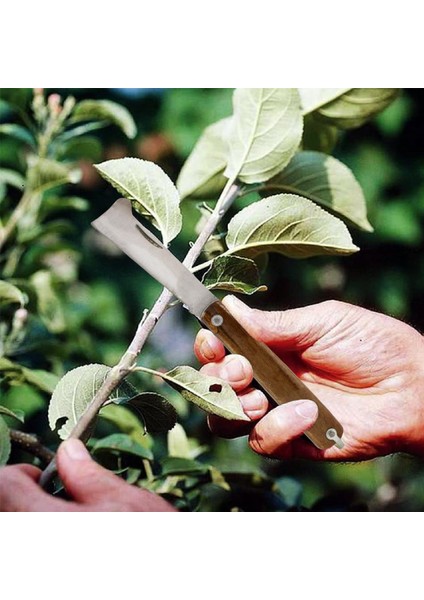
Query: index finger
{"points": [[19, 491], [207, 347]]}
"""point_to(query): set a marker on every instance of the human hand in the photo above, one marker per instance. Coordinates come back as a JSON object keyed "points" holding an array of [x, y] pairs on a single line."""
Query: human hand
{"points": [[92, 488], [367, 368]]}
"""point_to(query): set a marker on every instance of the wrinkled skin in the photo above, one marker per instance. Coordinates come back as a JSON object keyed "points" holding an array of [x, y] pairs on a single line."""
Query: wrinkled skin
{"points": [[367, 368], [91, 487]]}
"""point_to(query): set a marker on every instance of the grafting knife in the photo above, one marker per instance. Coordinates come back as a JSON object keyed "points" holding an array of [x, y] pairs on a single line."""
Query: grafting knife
{"points": [[119, 225]]}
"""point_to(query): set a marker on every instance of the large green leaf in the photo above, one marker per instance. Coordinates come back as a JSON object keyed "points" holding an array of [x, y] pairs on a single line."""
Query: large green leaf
{"points": [[233, 274], [289, 225], [357, 106], [314, 98], [265, 132], [10, 294], [122, 443], [157, 414], [127, 422], [74, 393], [5, 446], [325, 180], [202, 175], [106, 110], [44, 174], [149, 188], [210, 393]]}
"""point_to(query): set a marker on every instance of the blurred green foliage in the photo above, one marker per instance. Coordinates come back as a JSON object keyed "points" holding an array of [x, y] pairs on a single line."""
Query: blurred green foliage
{"points": [[102, 295]]}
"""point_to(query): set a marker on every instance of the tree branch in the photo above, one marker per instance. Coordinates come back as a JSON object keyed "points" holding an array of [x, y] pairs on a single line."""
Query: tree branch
{"points": [[31, 443], [118, 373]]}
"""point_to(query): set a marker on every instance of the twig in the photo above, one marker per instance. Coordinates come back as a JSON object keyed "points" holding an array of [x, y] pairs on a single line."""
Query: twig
{"points": [[31, 443], [118, 373]]}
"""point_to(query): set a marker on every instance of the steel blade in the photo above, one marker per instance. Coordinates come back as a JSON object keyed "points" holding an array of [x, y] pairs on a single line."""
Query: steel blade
{"points": [[119, 225]]}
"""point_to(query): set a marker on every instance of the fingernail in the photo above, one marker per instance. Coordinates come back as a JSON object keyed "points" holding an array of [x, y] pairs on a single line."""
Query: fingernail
{"points": [[206, 350], [234, 370], [253, 401], [75, 449], [307, 409]]}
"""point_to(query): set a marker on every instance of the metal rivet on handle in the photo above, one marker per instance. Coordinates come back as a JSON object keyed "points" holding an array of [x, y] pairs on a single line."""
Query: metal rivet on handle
{"points": [[331, 434], [217, 320]]}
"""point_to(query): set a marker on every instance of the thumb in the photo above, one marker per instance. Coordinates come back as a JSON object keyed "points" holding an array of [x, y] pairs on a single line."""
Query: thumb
{"points": [[83, 478], [273, 435], [289, 329]]}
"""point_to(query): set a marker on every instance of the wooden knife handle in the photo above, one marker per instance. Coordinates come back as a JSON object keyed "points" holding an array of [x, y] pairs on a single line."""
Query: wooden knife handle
{"points": [[270, 372]]}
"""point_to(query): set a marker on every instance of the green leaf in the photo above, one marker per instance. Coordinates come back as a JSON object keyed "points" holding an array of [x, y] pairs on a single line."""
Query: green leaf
{"points": [[314, 98], [106, 110], [265, 133], [24, 398], [54, 204], [178, 444], [10, 413], [233, 274], [325, 180], [156, 412], [213, 395], [48, 304], [74, 393], [149, 188], [43, 380], [202, 175], [357, 106], [44, 174], [18, 132], [172, 465], [5, 446], [12, 178], [120, 442], [16, 97], [125, 420], [289, 225], [318, 135], [10, 294], [87, 147]]}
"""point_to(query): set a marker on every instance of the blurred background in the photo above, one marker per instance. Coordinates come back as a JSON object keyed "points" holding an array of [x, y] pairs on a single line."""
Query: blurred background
{"points": [[106, 298]]}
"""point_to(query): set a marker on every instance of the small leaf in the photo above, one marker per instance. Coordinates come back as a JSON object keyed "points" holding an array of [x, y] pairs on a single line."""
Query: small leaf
{"points": [[122, 443], [74, 393], [10, 294], [106, 110], [202, 175], [10, 413], [149, 188], [325, 180], [5, 446], [13, 178], [233, 274], [289, 225], [44, 174], [178, 444], [265, 133], [313, 98], [18, 132], [357, 106], [48, 303], [156, 412], [88, 147], [172, 465], [196, 388]]}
